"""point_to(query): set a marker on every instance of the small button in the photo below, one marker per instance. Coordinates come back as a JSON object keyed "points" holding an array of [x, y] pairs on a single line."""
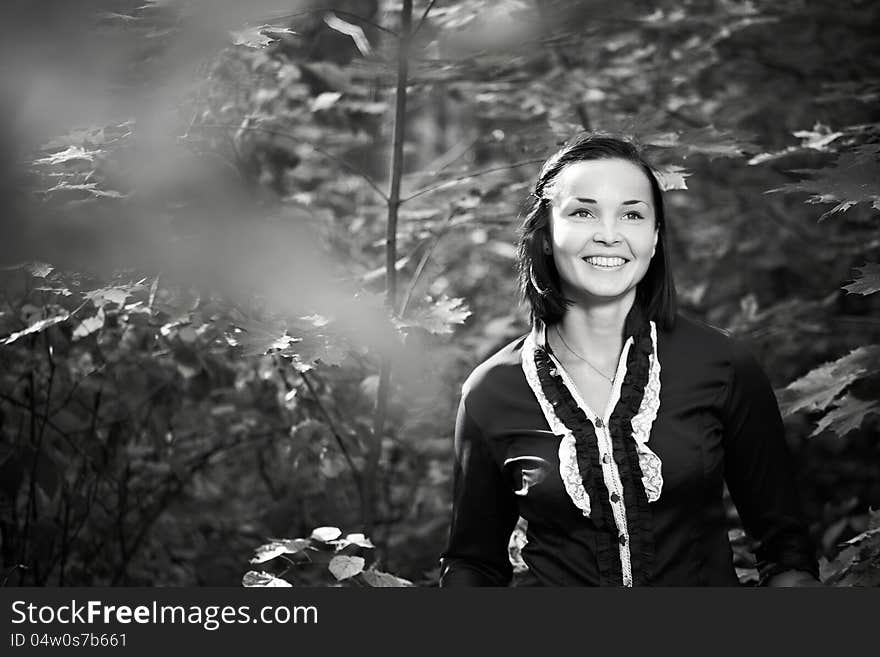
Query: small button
{"points": [[622, 539], [599, 423], [606, 459], [553, 372], [615, 498]]}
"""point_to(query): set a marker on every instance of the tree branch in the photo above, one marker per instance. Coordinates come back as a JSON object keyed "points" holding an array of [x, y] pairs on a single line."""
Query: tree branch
{"points": [[355, 473], [473, 174], [447, 159], [424, 16]]}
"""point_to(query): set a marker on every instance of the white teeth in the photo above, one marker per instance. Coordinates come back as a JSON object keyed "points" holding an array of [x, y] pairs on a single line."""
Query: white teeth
{"points": [[600, 261]]}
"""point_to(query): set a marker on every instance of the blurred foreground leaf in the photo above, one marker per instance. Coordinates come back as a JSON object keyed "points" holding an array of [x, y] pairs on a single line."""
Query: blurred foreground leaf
{"points": [[867, 282]]}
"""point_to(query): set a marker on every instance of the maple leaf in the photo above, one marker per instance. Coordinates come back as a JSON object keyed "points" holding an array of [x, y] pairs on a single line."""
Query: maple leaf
{"points": [[709, 141], [816, 139], [313, 347], [855, 563], [867, 282], [846, 416], [438, 316], [116, 295], [40, 269], [307, 340], [852, 179], [70, 154], [820, 386], [259, 36], [672, 177]]}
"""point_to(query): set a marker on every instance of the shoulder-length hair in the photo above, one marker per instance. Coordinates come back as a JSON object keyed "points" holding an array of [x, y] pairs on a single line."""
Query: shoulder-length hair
{"points": [[539, 281]]}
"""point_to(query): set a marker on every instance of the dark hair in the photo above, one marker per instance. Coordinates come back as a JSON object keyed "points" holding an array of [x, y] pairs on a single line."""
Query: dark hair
{"points": [[538, 278]]}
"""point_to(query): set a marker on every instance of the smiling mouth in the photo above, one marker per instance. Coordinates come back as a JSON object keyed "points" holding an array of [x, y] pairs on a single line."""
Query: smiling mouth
{"points": [[603, 262]]}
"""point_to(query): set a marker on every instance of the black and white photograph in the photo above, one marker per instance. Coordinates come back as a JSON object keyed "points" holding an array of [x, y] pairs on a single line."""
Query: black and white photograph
{"points": [[431, 294]]}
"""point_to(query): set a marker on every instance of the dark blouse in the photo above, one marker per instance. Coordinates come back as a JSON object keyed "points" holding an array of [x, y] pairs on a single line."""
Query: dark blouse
{"points": [[718, 421]]}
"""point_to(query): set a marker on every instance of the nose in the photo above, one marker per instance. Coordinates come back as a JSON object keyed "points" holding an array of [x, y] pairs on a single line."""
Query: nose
{"points": [[606, 231]]}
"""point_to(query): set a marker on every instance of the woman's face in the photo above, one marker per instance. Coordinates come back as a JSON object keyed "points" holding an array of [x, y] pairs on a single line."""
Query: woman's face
{"points": [[603, 228]]}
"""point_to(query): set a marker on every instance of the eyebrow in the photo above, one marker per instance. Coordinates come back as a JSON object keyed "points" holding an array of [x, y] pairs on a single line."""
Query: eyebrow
{"points": [[595, 202]]}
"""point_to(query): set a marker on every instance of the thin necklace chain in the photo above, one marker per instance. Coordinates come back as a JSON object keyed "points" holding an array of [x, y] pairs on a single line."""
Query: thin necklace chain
{"points": [[579, 357]]}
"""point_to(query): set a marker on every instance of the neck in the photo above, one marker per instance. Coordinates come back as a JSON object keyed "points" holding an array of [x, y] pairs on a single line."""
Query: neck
{"points": [[590, 326]]}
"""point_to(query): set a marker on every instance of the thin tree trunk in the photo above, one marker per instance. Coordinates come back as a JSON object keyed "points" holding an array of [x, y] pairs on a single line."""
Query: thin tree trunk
{"points": [[375, 450]]}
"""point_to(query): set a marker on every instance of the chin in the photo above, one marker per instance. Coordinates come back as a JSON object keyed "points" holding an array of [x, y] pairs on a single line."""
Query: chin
{"points": [[599, 293]]}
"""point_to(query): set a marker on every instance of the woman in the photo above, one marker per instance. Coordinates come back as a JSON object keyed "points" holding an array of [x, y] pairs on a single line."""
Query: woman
{"points": [[612, 427]]}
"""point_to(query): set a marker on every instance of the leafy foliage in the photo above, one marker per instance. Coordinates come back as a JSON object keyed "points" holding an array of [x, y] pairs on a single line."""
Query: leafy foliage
{"points": [[846, 416], [313, 560], [820, 389], [850, 180]]}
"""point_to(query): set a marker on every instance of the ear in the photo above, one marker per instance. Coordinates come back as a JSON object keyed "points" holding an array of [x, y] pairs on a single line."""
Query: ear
{"points": [[656, 239]]}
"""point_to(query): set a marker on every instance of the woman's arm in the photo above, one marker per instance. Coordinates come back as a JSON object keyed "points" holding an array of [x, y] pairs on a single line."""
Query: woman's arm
{"points": [[484, 513], [759, 476]]}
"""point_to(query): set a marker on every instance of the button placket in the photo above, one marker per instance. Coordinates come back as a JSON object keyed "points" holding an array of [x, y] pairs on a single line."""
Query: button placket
{"points": [[609, 469], [613, 483]]}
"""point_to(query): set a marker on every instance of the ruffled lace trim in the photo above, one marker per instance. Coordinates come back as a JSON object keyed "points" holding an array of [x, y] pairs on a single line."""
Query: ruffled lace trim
{"points": [[649, 463], [568, 467]]}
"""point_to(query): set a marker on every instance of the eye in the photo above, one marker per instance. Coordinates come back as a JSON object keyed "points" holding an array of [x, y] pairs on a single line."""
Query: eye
{"points": [[634, 216], [582, 213]]}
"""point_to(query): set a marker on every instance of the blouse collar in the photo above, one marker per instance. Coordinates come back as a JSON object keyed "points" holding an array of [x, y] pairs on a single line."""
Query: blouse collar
{"points": [[602, 436]]}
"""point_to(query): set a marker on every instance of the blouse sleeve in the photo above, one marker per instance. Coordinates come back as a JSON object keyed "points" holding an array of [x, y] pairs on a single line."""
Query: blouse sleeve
{"points": [[759, 475], [484, 513]]}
